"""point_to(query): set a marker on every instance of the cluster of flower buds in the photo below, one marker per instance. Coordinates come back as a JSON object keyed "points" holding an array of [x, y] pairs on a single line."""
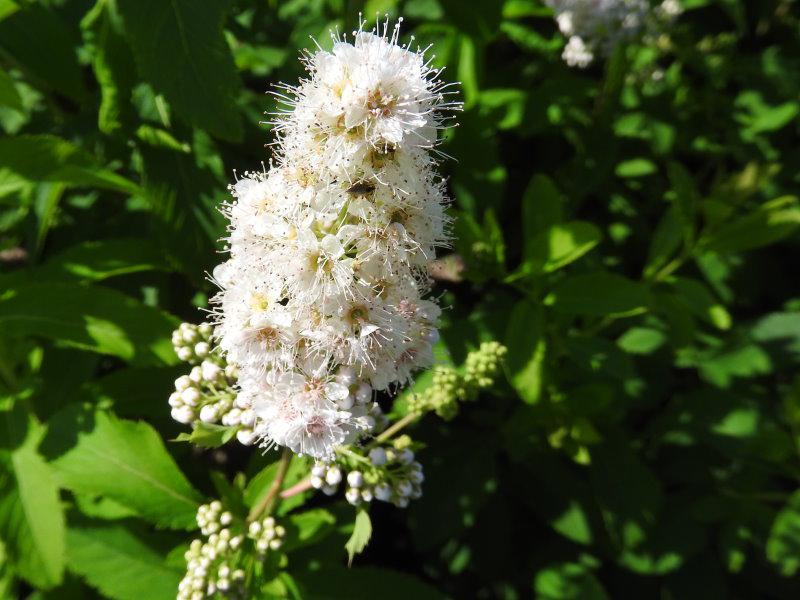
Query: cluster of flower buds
{"points": [[387, 473], [214, 565], [449, 386], [596, 26], [207, 393], [193, 343], [266, 535]]}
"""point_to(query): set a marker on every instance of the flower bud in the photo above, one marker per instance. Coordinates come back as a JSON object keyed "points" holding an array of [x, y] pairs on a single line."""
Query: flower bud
{"points": [[377, 456], [333, 476], [246, 437], [353, 496], [355, 479]]}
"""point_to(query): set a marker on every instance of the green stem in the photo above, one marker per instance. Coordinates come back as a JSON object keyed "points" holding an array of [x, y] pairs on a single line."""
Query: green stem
{"points": [[267, 504], [396, 427]]}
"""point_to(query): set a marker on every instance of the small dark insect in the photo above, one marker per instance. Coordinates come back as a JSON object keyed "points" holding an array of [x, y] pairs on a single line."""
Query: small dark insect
{"points": [[361, 188]]}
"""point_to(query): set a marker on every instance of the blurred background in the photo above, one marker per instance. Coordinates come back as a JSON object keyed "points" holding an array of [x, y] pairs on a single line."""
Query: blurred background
{"points": [[629, 230]]}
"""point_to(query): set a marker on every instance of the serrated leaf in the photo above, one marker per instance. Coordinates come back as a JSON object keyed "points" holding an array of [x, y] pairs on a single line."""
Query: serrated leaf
{"points": [[306, 528], [49, 158], [181, 52], [208, 435], [112, 63], [362, 531], [31, 517], [119, 564], [97, 319], [99, 454]]}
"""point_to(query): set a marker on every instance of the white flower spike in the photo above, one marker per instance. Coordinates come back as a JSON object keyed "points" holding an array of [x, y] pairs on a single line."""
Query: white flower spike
{"points": [[322, 298]]}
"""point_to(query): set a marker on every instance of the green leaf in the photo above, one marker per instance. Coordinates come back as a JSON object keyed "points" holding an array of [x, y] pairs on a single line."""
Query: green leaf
{"points": [[332, 583], [783, 544], [559, 245], [49, 158], [768, 224], [44, 46], [31, 517], [112, 63], [636, 167], [180, 49], [641, 340], [126, 461], [119, 564], [362, 531], [598, 293], [9, 96], [541, 209], [161, 138], [505, 107], [568, 581], [208, 435], [686, 196], [95, 261], [665, 242], [97, 319], [599, 355], [700, 302], [306, 528], [526, 350], [100, 507]]}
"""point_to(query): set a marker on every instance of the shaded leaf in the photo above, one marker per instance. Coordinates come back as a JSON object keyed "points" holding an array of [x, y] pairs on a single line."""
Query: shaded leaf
{"points": [[97, 319], [180, 50], [119, 563], [99, 454]]}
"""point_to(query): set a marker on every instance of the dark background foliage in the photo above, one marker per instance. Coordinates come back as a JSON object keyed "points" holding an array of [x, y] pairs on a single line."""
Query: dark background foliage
{"points": [[628, 231]]}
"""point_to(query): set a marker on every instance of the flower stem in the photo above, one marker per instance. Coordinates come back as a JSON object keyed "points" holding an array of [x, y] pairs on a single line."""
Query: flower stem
{"points": [[297, 488], [267, 504], [396, 427]]}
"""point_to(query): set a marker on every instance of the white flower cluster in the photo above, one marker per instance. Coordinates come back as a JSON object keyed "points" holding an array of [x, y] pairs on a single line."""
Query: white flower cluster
{"points": [[389, 475], [321, 300], [593, 26], [207, 393]]}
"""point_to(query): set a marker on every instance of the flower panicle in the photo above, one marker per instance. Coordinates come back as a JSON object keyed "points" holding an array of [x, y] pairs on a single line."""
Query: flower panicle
{"points": [[322, 300]]}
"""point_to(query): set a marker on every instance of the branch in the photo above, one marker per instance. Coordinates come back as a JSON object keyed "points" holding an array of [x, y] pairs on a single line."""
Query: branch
{"points": [[265, 506]]}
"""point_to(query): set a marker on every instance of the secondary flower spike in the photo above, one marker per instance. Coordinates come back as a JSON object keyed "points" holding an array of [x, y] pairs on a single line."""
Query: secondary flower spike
{"points": [[322, 298]]}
